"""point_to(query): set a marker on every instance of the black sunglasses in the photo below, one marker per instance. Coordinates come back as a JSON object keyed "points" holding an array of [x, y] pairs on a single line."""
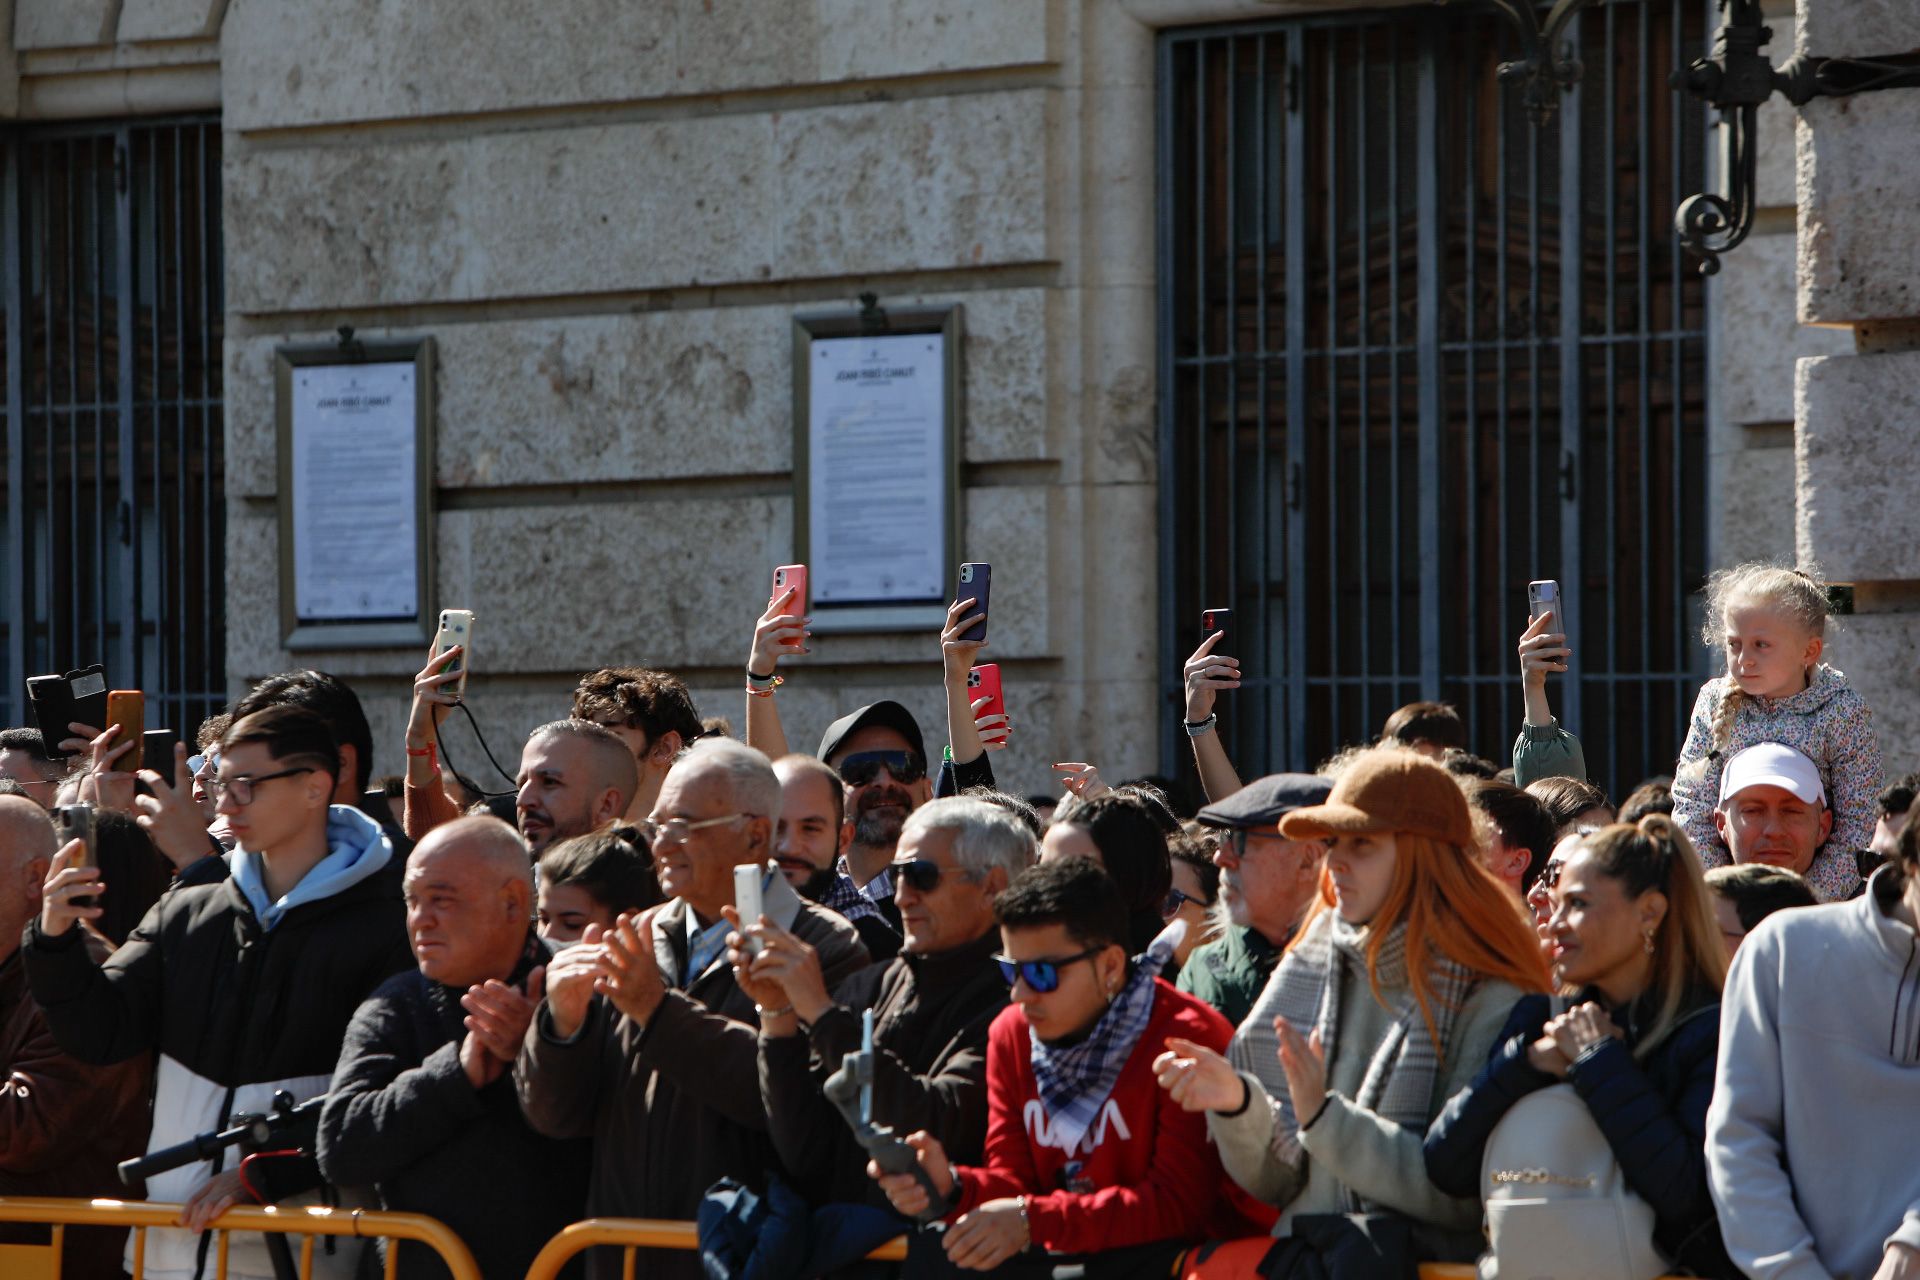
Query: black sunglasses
{"points": [[862, 767], [1042, 976], [918, 874]]}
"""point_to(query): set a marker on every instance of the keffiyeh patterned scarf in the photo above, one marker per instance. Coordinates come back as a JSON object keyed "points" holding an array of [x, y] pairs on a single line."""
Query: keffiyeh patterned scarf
{"points": [[1306, 989], [1075, 1080]]}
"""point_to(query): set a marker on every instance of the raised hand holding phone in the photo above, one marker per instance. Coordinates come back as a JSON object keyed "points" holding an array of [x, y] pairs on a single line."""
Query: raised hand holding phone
{"points": [[782, 629], [72, 887], [1206, 673], [989, 705], [107, 783], [1543, 648], [976, 587]]}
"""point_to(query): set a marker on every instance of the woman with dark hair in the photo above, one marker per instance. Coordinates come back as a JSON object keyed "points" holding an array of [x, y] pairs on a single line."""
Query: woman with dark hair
{"points": [[1635, 945], [1122, 833], [1572, 802], [593, 879]]}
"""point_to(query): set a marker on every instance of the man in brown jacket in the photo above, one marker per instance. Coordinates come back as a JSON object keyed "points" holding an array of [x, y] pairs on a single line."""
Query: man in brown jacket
{"points": [[64, 1124], [662, 1071]]}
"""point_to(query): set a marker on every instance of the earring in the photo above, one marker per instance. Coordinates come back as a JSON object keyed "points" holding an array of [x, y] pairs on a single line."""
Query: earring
{"points": [[1649, 937]]}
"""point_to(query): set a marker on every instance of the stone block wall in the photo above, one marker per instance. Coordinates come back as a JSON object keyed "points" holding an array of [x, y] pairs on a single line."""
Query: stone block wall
{"points": [[606, 215], [1859, 272]]}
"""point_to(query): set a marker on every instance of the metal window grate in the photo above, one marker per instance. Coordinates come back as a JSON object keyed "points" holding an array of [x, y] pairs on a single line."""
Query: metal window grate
{"points": [[1496, 362], [114, 412]]}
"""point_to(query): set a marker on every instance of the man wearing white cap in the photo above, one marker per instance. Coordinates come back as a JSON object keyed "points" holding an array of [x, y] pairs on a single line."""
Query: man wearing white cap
{"points": [[1773, 809]]}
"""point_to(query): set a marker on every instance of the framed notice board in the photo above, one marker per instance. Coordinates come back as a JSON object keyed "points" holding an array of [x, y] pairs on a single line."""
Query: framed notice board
{"points": [[877, 414], [355, 435]]}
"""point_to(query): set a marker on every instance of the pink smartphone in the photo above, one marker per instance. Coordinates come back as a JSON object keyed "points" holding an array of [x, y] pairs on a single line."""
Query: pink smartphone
{"points": [[791, 577], [984, 682]]}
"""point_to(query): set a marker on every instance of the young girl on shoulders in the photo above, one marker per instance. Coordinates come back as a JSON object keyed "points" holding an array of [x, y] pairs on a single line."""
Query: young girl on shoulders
{"points": [[1772, 622]]}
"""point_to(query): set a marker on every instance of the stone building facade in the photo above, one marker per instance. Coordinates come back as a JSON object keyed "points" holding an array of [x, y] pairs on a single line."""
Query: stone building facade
{"points": [[606, 214]]}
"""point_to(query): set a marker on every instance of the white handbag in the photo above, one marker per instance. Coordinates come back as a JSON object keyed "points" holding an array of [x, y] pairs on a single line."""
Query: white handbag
{"points": [[1558, 1206]]}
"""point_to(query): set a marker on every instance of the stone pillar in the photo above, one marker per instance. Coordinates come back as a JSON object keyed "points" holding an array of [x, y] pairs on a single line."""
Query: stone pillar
{"points": [[1855, 414]]}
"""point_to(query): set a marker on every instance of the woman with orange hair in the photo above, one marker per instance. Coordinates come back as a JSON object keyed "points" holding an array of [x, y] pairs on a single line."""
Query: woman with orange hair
{"points": [[1385, 1005]]}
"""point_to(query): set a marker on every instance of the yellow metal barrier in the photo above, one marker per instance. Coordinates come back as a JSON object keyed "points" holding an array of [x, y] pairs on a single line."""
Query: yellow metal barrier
{"points": [[308, 1223], [632, 1234]]}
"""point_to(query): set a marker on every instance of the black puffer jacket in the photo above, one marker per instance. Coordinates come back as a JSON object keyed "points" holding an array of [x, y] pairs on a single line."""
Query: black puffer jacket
{"points": [[236, 1010], [1652, 1111]]}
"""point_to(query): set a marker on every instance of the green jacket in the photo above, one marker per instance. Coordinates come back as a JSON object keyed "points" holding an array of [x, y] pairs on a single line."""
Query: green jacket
{"points": [[1230, 972], [1547, 751]]}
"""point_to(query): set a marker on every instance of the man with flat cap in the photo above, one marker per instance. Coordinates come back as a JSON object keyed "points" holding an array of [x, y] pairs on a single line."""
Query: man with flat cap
{"points": [[1267, 883]]}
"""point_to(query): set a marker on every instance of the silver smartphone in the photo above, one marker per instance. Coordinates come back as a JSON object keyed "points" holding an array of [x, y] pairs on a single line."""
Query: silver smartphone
{"points": [[747, 879], [1543, 596]]}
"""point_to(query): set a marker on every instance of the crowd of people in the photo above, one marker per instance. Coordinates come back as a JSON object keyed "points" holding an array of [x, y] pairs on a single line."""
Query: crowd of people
{"points": [[1413, 1004]]}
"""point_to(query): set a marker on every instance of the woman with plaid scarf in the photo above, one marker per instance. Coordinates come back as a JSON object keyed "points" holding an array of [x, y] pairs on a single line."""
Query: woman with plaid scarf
{"points": [[1384, 1006], [1084, 1155]]}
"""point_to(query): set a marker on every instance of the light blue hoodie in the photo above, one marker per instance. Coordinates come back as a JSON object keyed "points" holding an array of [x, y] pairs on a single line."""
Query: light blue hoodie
{"points": [[358, 848]]}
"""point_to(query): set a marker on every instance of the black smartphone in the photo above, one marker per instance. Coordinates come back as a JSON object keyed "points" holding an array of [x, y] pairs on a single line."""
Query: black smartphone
{"points": [[75, 822], [156, 748], [1212, 620], [976, 584], [59, 701]]}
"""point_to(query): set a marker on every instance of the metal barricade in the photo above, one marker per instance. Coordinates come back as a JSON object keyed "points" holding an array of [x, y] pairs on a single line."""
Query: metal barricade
{"points": [[310, 1224], [634, 1234]]}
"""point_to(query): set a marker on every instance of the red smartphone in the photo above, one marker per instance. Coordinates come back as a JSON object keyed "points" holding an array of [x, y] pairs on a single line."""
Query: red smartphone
{"points": [[791, 577], [1213, 620], [984, 682], [128, 709]]}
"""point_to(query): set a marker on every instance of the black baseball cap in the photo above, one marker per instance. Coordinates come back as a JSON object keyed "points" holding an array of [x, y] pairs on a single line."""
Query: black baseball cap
{"points": [[1264, 801], [886, 714]]}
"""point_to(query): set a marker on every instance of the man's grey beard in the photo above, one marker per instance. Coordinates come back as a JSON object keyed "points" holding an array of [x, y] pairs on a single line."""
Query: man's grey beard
{"points": [[879, 830]]}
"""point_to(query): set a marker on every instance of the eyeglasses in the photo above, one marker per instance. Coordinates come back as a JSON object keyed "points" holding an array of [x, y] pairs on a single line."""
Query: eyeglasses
{"points": [[1175, 900], [862, 767], [1042, 976], [1238, 837], [240, 788], [676, 830], [918, 874], [1549, 876]]}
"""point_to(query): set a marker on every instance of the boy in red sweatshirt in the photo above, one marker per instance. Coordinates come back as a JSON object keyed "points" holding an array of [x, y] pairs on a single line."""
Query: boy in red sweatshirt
{"points": [[1084, 1153]]}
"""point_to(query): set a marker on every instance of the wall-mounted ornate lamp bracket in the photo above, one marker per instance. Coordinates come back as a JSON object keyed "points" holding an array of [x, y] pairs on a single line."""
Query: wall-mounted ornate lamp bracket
{"points": [[1736, 80]]}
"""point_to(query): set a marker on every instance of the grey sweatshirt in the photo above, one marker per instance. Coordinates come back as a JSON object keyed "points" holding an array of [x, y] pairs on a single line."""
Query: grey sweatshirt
{"points": [[1349, 1146], [1819, 1073]]}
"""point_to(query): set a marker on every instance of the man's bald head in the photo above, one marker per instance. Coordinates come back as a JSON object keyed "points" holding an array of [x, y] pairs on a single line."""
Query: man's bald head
{"points": [[25, 831], [469, 891], [481, 841], [27, 845]]}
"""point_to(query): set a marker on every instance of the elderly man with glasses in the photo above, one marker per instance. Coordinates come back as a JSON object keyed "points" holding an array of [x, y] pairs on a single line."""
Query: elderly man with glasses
{"points": [[1267, 882], [931, 1007], [644, 1041]]}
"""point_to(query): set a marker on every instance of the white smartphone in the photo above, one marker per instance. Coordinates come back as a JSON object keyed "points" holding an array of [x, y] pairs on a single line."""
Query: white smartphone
{"points": [[747, 879], [1543, 595], [456, 628]]}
